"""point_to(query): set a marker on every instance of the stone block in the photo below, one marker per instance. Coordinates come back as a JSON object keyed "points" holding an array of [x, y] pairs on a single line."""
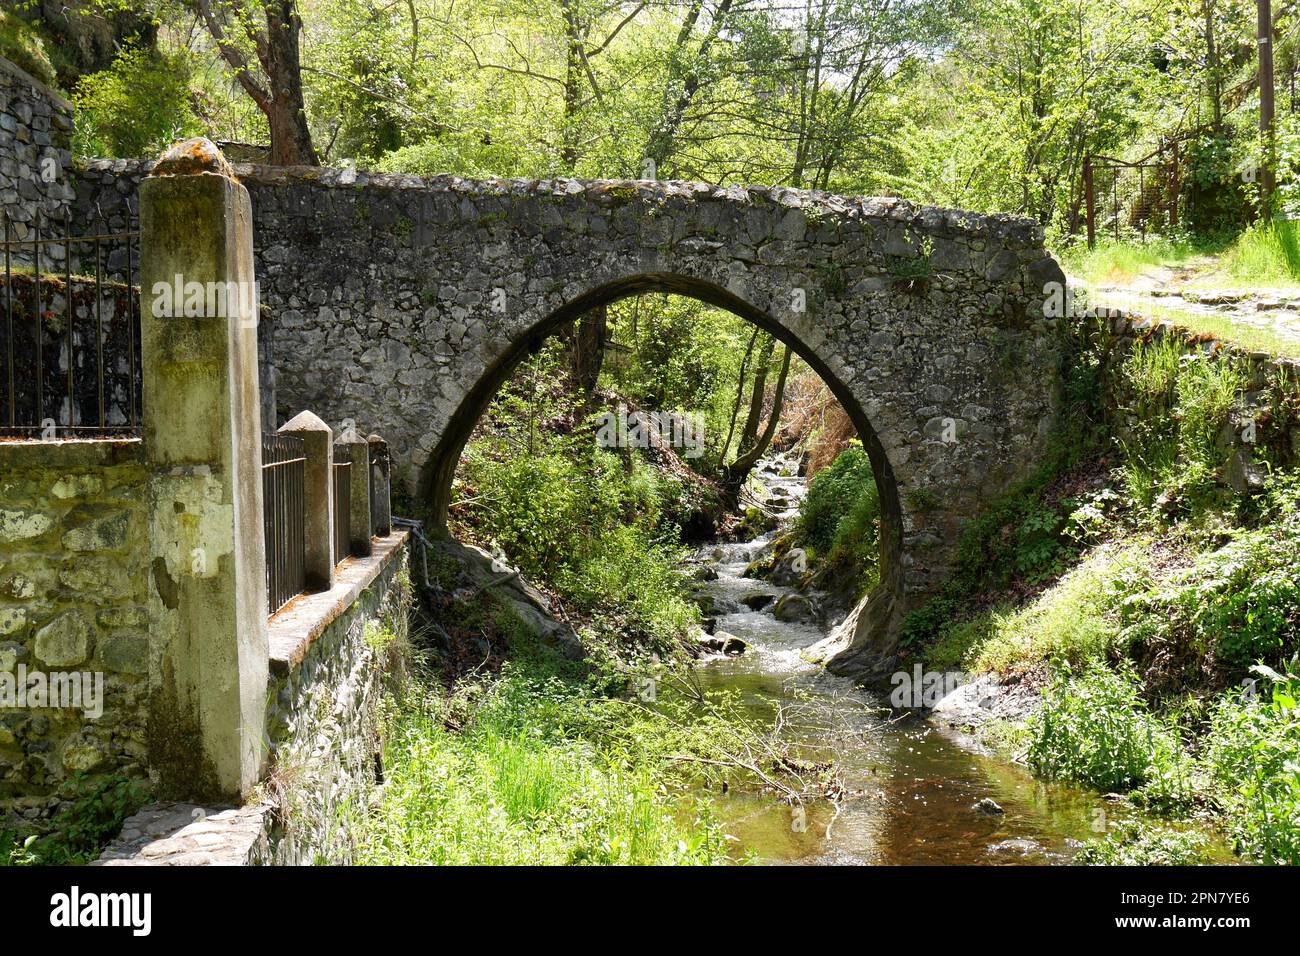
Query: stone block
{"points": [[64, 641]]}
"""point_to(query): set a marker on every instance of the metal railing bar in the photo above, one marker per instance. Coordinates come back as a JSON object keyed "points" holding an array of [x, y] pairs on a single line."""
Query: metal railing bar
{"points": [[40, 330], [99, 337], [134, 375], [70, 317], [9, 326]]}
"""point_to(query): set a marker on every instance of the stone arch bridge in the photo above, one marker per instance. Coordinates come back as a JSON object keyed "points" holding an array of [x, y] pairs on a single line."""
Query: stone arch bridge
{"points": [[404, 302]]}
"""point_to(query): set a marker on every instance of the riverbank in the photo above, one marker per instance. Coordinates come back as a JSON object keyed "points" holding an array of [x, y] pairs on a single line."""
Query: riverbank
{"points": [[1148, 593]]}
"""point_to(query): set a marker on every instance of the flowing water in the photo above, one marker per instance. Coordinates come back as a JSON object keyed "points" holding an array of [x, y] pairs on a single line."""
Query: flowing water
{"points": [[911, 789]]}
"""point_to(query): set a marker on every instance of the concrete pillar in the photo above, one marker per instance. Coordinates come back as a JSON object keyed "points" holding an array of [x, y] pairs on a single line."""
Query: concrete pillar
{"points": [[359, 526], [202, 436], [381, 505], [318, 449]]}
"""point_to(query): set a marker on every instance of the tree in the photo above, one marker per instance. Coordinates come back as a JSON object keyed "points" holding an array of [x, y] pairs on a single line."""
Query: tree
{"points": [[259, 40]]}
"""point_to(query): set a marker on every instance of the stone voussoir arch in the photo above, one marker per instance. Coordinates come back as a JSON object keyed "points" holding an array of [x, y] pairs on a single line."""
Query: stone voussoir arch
{"points": [[403, 302]]}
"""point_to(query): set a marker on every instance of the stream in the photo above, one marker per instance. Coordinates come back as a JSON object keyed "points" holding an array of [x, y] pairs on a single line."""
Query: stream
{"points": [[911, 789]]}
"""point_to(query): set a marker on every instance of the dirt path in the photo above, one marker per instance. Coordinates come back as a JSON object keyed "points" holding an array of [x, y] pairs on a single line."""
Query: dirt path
{"points": [[1189, 290]]}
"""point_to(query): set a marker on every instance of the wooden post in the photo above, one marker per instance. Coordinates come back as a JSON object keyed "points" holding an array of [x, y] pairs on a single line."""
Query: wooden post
{"points": [[1266, 108], [1090, 200]]}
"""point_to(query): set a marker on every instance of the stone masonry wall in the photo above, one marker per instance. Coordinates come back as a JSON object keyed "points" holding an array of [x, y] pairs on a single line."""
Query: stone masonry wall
{"points": [[323, 722], [1270, 403], [35, 157], [72, 599]]}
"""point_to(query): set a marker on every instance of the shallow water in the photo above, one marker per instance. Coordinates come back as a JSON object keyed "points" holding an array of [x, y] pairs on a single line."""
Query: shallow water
{"points": [[911, 787]]}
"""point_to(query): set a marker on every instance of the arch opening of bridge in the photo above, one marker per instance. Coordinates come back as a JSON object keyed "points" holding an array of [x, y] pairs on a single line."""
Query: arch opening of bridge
{"points": [[438, 480]]}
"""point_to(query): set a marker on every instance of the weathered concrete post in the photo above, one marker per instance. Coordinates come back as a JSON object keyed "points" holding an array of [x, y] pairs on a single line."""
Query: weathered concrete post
{"points": [[202, 433], [318, 449], [359, 526], [381, 505]]}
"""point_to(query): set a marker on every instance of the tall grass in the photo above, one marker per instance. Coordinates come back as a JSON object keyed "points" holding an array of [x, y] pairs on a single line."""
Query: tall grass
{"points": [[547, 765], [1253, 753], [518, 784], [1179, 403], [1266, 254], [1117, 263]]}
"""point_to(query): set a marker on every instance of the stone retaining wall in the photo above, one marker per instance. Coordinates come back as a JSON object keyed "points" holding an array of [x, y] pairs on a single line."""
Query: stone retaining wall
{"points": [[72, 599], [333, 655], [1263, 429], [35, 156]]}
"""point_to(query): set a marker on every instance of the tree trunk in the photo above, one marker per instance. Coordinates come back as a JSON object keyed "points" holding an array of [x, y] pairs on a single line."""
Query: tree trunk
{"points": [[588, 353], [749, 434], [740, 394], [739, 470], [291, 143]]}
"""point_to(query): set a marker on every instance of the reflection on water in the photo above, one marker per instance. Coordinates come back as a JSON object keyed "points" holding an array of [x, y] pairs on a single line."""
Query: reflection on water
{"points": [[913, 790]]}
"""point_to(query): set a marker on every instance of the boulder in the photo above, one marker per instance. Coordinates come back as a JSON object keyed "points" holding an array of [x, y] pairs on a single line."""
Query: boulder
{"points": [[721, 642], [795, 609], [507, 587]]}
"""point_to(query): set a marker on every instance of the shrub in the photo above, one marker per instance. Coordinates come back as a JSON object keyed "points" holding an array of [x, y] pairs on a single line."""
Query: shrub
{"points": [[135, 108], [1253, 755], [842, 507], [1096, 730], [1132, 843]]}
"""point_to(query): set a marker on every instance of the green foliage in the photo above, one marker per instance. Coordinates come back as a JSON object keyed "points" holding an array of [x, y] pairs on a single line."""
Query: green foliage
{"points": [[1237, 604], [842, 499], [1095, 729], [839, 521], [602, 526], [1075, 621], [78, 833], [544, 770], [1114, 263], [1253, 754], [1135, 843], [136, 108], [23, 46], [1179, 405], [1266, 254]]}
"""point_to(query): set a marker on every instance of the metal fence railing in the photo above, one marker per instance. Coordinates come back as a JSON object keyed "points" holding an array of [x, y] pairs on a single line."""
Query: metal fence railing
{"points": [[342, 502], [284, 517], [71, 342], [1125, 199]]}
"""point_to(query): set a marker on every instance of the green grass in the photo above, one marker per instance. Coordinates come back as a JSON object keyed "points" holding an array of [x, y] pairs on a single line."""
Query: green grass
{"points": [[554, 762], [1076, 620], [1266, 254], [1112, 263], [524, 782]]}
